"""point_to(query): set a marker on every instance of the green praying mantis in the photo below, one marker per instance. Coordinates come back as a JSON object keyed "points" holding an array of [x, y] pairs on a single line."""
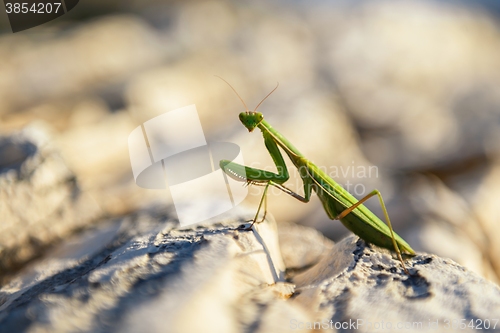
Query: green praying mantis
{"points": [[337, 202]]}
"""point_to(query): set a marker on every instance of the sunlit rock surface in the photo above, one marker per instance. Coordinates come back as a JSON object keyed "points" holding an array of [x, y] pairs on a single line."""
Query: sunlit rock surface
{"points": [[142, 273], [40, 200]]}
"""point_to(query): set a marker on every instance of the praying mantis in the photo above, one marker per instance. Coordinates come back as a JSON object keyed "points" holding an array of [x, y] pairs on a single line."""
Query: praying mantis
{"points": [[338, 203]]}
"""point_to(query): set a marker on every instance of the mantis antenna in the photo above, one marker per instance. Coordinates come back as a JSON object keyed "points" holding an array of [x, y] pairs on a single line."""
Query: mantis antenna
{"points": [[229, 84], [277, 85], [241, 99]]}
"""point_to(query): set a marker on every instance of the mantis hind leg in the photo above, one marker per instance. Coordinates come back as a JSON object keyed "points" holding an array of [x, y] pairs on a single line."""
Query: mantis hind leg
{"points": [[345, 212]]}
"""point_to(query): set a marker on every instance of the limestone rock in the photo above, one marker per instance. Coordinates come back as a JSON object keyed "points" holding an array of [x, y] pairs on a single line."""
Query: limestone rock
{"points": [[363, 288], [301, 247], [210, 278], [143, 273], [40, 201]]}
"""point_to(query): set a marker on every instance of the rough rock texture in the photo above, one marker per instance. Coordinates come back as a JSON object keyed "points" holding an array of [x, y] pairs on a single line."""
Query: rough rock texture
{"points": [[141, 273], [363, 284], [301, 247], [212, 278], [40, 201]]}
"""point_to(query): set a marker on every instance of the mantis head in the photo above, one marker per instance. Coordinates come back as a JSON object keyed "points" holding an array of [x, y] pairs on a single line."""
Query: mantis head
{"points": [[250, 119]]}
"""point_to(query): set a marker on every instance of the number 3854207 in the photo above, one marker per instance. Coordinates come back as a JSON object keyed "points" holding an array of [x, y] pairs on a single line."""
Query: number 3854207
{"points": [[35, 8]]}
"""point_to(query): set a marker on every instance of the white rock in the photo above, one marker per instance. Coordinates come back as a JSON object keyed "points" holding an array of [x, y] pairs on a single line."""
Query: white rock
{"points": [[154, 277], [40, 201], [363, 284]]}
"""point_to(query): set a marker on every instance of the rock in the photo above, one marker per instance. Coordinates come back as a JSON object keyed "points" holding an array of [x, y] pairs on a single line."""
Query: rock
{"points": [[143, 273], [98, 154], [94, 55], [40, 201], [362, 285], [301, 247], [213, 278]]}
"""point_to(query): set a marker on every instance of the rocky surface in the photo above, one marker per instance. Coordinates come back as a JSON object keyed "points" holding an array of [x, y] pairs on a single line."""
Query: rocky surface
{"points": [[212, 278], [142, 273], [362, 288], [40, 201]]}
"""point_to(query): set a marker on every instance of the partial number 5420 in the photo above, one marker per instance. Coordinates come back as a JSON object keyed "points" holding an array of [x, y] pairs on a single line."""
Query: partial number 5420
{"points": [[36, 8]]}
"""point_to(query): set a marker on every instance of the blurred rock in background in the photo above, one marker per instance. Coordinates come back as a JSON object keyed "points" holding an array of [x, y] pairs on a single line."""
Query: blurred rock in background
{"points": [[398, 96], [40, 200]]}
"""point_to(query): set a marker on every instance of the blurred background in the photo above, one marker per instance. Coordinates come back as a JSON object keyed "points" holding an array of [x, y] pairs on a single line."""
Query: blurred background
{"points": [[407, 91]]}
